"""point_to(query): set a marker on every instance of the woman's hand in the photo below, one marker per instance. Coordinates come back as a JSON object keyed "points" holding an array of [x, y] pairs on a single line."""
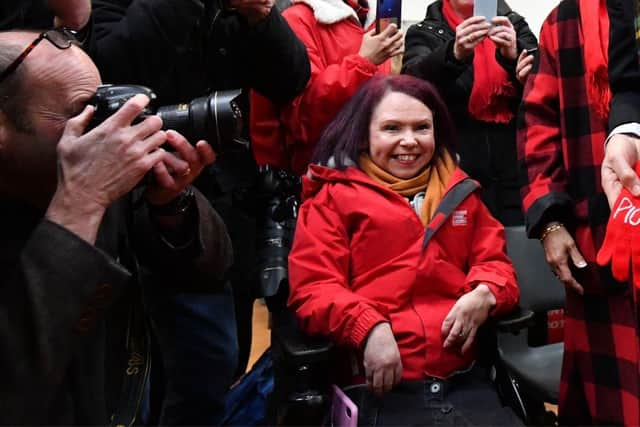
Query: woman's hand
{"points": [[559, 246], [523, 67], [377, 48], [469, 312], [504, 36], [468, 35], [382, 363]]}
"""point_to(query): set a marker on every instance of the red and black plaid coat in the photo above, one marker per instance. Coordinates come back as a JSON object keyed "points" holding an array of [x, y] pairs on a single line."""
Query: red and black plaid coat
{"points": [[560, 146]]}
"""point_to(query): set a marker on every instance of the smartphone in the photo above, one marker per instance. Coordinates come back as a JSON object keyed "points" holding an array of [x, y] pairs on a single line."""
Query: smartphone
{"points": [[344, 413], [388, 12], [486, 8]]}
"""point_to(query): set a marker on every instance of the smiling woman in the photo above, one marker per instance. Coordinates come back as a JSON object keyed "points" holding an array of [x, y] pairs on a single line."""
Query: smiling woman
{"points": [[362, 256]]}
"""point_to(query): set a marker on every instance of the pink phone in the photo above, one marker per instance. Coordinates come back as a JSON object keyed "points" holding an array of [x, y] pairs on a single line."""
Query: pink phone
{"points": [[344, 413]]}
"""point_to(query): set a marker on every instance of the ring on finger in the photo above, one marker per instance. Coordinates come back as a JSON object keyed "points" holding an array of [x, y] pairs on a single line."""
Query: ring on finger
{"points": [[186, 173], [461, 334]]}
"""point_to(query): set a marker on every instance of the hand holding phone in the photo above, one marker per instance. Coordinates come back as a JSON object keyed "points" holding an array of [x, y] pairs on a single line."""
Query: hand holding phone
{"points": [[377, 48], [525, 64]]}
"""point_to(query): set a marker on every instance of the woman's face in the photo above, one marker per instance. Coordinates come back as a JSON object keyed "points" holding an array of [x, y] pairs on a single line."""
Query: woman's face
{"points": [[401, 138]]}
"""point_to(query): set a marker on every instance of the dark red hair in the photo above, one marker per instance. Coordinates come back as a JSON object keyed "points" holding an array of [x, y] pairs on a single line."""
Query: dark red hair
{"points": [[347, 136]]}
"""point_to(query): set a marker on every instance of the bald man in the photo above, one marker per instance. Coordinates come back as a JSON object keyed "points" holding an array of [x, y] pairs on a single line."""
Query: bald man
{"points": [[80, 240]]}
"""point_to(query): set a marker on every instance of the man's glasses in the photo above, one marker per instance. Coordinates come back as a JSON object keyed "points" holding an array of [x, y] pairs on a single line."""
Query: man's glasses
{"points": [[62, 38]]}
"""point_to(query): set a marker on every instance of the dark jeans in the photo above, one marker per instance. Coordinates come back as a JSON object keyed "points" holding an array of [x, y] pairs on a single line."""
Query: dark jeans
{"points": [[467, 399], [196, 336]]}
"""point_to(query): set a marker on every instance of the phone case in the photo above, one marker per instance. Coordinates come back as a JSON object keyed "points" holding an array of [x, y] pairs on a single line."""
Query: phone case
{"points": [[344, 413], [486, 8], [388, 12]]}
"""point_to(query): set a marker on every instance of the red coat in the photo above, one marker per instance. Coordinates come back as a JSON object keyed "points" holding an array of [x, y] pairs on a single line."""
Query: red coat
{"points": [[358, 260], [337, 72]]}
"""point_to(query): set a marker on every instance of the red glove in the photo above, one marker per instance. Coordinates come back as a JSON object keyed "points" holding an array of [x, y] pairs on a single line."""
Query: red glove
{"points": [[621, 244]]}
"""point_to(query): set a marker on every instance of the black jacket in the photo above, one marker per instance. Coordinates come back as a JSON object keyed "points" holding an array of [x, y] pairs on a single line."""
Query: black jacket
{"points": [[624, 66], [185, 48], [64, 305], [487, 151]]}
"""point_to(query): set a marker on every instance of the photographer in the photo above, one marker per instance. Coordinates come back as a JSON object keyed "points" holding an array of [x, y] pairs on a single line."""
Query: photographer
{"points": [[184, 49], [77, 245]]}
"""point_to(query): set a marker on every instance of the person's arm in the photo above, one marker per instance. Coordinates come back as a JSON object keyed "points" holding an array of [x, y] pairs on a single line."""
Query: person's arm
{"points": [[319, 277], [544, 195], [525, 40], [624, 70], [49, 301], [276, 60], [622, 149], [197, 260], [429, 58], [545, 199], [330, 86]]}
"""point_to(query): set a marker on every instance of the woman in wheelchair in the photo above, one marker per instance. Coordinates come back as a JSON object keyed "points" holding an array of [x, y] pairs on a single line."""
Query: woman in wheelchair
{"points": [[397, 260]]}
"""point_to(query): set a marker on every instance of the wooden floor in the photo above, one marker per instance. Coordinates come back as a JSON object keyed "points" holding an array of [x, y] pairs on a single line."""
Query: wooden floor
{"points": [[261, 332]]}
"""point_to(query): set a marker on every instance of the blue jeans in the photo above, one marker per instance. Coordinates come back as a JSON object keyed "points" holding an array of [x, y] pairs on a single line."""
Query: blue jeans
{"points": [[196, 335]]}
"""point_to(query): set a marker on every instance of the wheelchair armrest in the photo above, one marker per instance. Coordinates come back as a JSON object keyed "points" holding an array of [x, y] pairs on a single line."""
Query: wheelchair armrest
{"points": [[297, 346], [515, 321]]}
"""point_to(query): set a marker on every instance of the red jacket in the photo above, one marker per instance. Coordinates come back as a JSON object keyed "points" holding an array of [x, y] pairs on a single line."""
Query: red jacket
{"points": [[337, 71], [358, 260]]}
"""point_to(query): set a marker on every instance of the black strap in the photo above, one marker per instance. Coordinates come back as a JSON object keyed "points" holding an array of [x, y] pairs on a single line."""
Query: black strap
{"points": [[136, 371], [454, 197]]}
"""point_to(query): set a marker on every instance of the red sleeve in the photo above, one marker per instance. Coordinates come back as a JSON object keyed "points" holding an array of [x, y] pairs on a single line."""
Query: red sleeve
{"points": [[330, 85], [267, 136], [319, 277], [489, 263], [539, 133]]}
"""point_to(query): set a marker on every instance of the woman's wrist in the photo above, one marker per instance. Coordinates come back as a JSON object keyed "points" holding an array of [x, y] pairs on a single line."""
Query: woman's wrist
{"points": [[551, 227]]}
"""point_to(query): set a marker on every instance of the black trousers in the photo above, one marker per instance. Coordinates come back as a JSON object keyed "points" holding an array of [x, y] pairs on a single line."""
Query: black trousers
{"points": [[467, 399]]}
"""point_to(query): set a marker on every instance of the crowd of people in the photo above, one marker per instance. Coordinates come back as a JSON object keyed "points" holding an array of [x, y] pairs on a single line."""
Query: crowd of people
{"points": [[128, 250]]}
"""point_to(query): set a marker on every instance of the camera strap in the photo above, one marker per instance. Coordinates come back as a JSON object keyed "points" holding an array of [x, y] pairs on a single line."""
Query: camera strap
{"points": [[137, 368]]}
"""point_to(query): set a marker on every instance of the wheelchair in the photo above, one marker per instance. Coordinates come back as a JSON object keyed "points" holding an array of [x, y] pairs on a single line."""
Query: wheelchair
{"points": [[526, 374]]}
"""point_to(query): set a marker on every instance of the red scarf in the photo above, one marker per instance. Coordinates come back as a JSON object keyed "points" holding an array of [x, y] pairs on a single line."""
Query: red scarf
{"points": [[492, 91], [361, 7], [594, 25]]}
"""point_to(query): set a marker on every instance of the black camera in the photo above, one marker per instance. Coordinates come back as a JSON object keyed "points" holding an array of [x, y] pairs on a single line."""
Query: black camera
{"points": [[216, 118], [281, 192]]}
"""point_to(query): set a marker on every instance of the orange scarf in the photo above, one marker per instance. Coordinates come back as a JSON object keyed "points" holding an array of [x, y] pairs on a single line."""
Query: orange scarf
{"points": [[492, 91], [594, 25], [433, 180]]}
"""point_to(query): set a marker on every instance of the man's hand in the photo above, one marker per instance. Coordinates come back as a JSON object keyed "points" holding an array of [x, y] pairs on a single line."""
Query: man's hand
{"points": [[97, 168], [524, 66], [559, 247], [504, 36], [253, 10], [382, 363], [466, 316], [469, 34], [377, 48], [171, 177], [73, 14], [621, 154]]}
